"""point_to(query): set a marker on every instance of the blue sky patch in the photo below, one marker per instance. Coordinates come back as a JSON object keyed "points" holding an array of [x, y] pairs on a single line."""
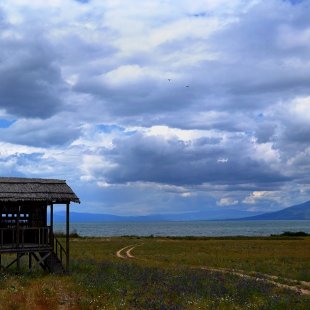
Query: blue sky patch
{"points": [[4, 123], [115, 128], [82, 1], [110, 128], [294, 1]]}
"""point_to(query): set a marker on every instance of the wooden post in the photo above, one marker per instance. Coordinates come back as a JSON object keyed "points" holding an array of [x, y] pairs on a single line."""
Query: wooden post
{"points": [[67, 237], [17, 239], [52, 226], [17, 227]]}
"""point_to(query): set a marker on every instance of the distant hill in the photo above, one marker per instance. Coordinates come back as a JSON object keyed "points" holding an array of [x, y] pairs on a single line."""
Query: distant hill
{"points": [[99, 217], [298, 212], [209, 214]]}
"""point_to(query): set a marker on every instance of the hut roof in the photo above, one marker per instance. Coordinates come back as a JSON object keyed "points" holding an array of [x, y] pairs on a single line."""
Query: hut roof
{"points": [[45, 190]]}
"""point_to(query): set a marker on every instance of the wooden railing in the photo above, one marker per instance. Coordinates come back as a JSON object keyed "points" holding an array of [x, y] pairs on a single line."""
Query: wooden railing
{"points": [[60, 252], [32, 238], [25, 237]]}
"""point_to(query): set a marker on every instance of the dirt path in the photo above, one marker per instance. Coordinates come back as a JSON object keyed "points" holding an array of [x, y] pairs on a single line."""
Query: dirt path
{"points": [[128, 252], [128, 249], [300, 287]]}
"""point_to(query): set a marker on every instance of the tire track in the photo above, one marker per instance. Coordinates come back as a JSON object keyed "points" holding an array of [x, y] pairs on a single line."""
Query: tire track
{"points": [[128, 252], [120, 253], [264, 278], [300, 287]]}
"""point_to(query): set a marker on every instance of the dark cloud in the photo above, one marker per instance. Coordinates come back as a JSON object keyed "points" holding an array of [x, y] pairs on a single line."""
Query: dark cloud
{"points": [[298, 134], [154, 159], [41, 133], [31, 84]]}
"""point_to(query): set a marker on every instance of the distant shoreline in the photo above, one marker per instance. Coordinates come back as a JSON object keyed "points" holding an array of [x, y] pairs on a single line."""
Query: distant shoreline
{"points": [[188, 228]]}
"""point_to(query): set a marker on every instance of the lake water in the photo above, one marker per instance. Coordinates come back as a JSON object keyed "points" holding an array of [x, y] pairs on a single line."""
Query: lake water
{"points": [[195, 228]]}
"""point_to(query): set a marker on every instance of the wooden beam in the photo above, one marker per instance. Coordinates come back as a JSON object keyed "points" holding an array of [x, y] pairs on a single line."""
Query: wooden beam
{"points": [[41, 261], [14, 261], [67, 237]]}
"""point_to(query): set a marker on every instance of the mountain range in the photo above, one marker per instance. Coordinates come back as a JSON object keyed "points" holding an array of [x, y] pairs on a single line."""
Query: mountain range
{"points": [[210, 214], [297, 212]]}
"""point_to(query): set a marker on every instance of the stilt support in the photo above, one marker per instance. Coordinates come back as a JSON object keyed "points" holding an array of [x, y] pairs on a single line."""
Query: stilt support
{"points": [[67, 237]]}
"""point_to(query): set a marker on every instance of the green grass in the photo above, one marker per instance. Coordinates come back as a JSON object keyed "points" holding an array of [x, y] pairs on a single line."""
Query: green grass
{"points": [[289, 257], [133, 286], [166, 274]]}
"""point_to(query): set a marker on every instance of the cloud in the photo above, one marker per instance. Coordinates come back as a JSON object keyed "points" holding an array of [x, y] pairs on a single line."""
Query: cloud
{"points": [[259, 196], [95, 91], [30, 79], [227, 201], [41, 133], [294, 2], [175, 161]]}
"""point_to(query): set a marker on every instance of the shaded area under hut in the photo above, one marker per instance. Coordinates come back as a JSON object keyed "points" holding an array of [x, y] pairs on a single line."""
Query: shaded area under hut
{"points": [[24, 229]]}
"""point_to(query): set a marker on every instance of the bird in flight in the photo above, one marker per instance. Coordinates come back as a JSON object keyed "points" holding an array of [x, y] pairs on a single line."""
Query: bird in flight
{"points": [[187, 86], [169, 80]]}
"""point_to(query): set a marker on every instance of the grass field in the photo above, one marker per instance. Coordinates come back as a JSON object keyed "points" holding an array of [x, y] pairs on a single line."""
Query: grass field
{"points": [[168, 273]]}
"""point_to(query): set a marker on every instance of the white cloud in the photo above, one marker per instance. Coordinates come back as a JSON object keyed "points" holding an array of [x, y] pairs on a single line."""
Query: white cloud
{"points": [[187, 194], [184, 135], [266, 152], [258, 197], [300, 108], [92, 164], [227, 201]]}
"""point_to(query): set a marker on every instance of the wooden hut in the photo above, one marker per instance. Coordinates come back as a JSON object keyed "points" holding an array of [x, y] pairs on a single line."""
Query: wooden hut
{"points": [[24, 226]]}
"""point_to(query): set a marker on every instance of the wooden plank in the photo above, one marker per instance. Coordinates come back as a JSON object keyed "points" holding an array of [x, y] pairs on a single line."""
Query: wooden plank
{"points": [[25, 250]]}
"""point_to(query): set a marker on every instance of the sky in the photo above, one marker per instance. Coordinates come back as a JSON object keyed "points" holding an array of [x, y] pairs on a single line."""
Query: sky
{"points": [[159, 106]]}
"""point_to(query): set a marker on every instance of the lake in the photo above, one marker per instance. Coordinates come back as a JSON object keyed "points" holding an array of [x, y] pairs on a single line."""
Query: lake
{"points": [[191, 228]]}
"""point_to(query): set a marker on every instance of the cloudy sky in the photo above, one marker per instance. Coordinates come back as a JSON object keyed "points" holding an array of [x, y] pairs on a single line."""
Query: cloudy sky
{"points": [[159, 106]]}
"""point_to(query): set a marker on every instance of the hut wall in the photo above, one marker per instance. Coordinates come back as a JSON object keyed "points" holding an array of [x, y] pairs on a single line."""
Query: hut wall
{"points": [[14, 217]]}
